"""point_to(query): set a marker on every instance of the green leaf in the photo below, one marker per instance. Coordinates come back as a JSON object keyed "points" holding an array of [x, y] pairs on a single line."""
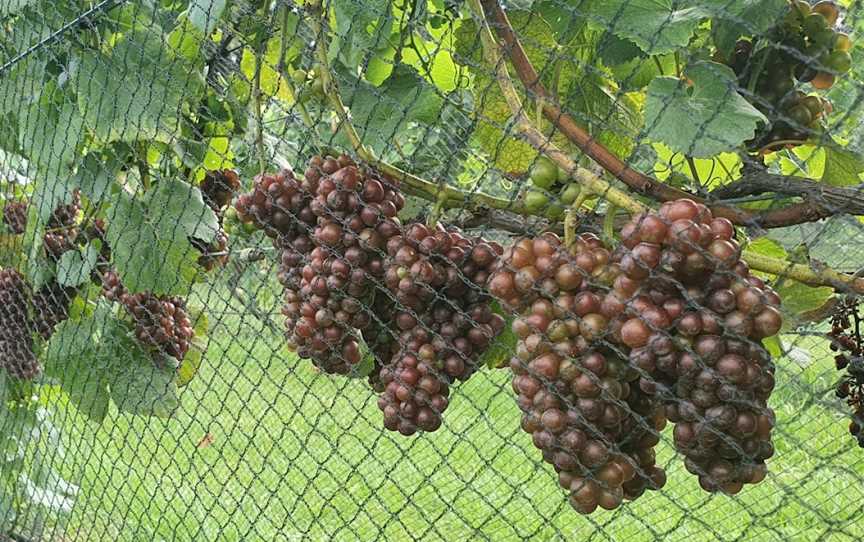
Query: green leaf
{"points": [[49, 134], [358, 28], [75, 266], [135, 92], [173, 202], [732, 19], [656, 26], [204, 14], [142, 388], [75, 356], [702, 121], [13, 6], [842, 167], [95, 175], [774, 346], [16, 85], [799, 298], [767, 247], [150, 255], [383, 112]]}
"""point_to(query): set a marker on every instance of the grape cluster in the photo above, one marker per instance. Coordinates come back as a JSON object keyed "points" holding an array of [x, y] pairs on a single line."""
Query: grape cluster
{"points": [[51, 307], [580, 400], [161, 322], [16, 345], [443, 321], [695, 320], [807, 49], [218, 188], [846, 340], [15, 216]]}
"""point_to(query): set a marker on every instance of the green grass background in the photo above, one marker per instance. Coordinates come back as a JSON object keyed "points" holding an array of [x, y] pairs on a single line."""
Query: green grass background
{"points": [[297, 455]]}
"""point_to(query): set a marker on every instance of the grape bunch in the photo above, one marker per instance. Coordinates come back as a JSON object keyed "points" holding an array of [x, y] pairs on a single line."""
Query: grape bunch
{"points": [[162, 323], [846, 340], [15, 216], [329, 307], [443, 321], [580, 399], [696, 319], [51, 307], [217, 188], [16, 344], [807, 48]]}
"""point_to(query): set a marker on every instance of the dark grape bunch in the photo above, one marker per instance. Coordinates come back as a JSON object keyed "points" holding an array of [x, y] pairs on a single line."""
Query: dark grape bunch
{"points": [[332, 265], [580, 400], [443, 321], [161, 322], [15, 216], [846, 340], [217, 188], [696, 320], [809, 49], [16, 344], [51, 307]]}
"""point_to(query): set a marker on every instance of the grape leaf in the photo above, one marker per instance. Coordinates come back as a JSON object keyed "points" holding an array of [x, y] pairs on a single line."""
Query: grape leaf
{"points": [[799, 298], [842, 167], [95, 175], [142, 388], [75, 357], [767, 247], [204, 14], [359, 28], [75, 266], [150, 255], [732, 19], [13, 6], [174, 202], [136, 91], [17, 84], [702, 121], [656, 26], [381, 113], [49, 134]]}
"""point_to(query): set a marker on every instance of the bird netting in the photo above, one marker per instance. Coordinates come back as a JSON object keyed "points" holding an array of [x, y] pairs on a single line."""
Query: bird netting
{"points": [[373, 269]]}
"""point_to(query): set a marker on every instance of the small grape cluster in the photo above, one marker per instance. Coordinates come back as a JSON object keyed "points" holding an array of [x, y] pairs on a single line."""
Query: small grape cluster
{"points": [[580, 400], [443, 321], [807, 49], [846, 340], [62, 232], [15, 216], [217, 188], [51, 307], [161, 322], [696, 319], [16, 344]]}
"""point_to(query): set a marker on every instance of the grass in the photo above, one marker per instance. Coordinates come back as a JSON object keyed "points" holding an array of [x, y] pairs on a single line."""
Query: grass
{"points": [[300, 456]]}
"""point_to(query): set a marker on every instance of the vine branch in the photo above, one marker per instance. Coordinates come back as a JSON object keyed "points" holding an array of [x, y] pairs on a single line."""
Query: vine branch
{"points": [[808, 211], [759, 262]]}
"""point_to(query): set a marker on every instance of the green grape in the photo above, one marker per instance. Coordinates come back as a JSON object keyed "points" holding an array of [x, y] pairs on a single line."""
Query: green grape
{"points": [[843, 42], [570, 193], [814, 23], [824, 38], [814, 105], [534, 201], [800, 115], [544, 173], [839, 61]]}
